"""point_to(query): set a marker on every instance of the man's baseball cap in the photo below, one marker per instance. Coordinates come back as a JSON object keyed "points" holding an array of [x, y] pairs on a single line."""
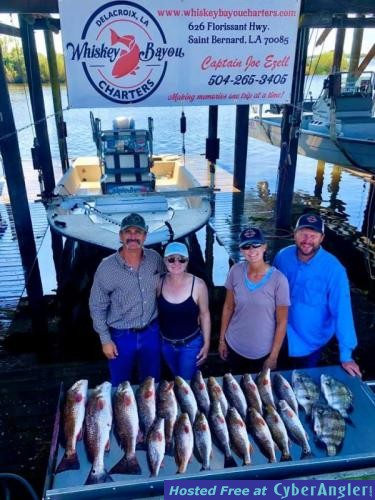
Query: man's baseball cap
{"points": [[310, 221], [251, 235], [133, 220]]}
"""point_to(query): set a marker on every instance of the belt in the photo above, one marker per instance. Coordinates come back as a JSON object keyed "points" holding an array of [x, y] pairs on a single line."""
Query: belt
{"points": [[141, 328], [184, 341]]}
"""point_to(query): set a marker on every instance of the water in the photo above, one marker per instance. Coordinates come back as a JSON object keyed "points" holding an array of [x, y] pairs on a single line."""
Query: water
{"points": [[342, 195]]}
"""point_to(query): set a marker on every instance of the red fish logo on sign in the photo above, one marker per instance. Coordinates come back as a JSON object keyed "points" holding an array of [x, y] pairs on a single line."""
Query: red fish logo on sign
{"points": [[122, 51], [128, 60]]}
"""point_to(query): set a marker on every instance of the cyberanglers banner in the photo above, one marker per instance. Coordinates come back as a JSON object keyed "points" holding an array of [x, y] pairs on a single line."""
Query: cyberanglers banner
{"points": [[174, 52]]}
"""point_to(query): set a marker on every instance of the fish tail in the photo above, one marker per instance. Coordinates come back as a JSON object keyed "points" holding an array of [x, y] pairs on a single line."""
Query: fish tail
{"points": [[169, 448], [306, 454], [229, 461], [127, 466], [331, 450], [205, 467], [286, 457], [68, 463], [103, 477]]}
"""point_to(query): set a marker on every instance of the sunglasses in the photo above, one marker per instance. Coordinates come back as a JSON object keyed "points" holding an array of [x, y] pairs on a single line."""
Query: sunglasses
{"points": [[251, 245], [172, 260]]}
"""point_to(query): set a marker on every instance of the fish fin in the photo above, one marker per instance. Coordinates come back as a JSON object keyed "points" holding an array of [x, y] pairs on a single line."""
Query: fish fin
{"points": [[93, 478], [229, 462], [286, 457], [68, 463], [162, 464], [331, 450], [80, 435], [205, 468], [141, 446], [306, 454], [107, 446], [349, 421], [127, 466], [169, 448]]}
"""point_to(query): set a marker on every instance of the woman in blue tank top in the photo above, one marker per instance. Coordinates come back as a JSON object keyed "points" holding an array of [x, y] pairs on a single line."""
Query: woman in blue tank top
{"points": [[184, 316]]}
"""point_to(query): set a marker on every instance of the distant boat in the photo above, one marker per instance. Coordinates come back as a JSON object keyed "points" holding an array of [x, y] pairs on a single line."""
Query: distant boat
{"points": [[339, 129], [95, 194]]}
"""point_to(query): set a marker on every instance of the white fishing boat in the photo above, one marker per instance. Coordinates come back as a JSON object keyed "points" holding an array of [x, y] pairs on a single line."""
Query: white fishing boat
{"points": [[96, 193], [340, 129]]}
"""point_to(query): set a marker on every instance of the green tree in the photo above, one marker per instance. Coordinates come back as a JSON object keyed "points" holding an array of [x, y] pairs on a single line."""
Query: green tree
{"points": [[322, 64]]}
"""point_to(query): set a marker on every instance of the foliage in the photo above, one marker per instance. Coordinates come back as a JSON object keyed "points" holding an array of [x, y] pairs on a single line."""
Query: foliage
{"points": [[322, 64], [14, 63]]}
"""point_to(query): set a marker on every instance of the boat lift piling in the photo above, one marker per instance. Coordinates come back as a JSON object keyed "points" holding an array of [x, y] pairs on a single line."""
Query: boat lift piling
{"points": [[10, 152]]}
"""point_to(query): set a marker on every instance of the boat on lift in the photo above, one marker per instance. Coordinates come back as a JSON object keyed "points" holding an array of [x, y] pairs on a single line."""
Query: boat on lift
{"points": [[95, 193], [340, 128]]}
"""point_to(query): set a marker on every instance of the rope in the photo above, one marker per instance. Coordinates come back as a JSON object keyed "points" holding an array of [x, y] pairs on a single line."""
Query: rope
{"points": [[5, 476]]}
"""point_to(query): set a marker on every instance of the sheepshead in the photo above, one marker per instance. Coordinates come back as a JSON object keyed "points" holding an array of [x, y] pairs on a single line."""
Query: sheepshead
{"points": [[251, 392], [295, 428], [220, 431], [234, 394], [238, 435], [306, 390], [216, 394], [203, 440], [337, 394], [264, 385], [284, 391], [156, 446], [329, 427], [262, 434], [186, 398], [279, 433], [184, 442], [74, 414], [146, 402], [166, 407], [127, 428], [200, 392], [98, 424]]}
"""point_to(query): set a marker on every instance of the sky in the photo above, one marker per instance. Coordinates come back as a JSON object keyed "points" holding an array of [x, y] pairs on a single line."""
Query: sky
{"points": [[368, 38]]}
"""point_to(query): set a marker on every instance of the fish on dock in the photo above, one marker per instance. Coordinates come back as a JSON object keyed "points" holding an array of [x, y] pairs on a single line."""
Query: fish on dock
{"points": [[98, 423], [295, 428], [251, 392], [220, 432], [216, 393], [337, 394], [234, 394], [306, 390], [184, 442], [127, 427], [146, 403], [74, 414], [200, 391], [284, 390], [262, 434], [238, 435], [156, 446], [329, 427], [279, 433], [203, 440], [166, 407], [264, 384], [186, 398]]}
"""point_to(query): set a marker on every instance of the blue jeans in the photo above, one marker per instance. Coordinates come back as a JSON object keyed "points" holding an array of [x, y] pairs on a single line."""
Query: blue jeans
{"points": [[309, 361], [140, 350], [182, 359]]}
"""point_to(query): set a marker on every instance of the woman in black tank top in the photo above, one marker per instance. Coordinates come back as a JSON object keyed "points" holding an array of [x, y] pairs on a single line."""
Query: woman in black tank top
{"points": [[184, 316]]}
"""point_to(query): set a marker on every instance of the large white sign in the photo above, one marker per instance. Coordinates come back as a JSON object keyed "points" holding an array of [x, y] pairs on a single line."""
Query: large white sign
{"points": [[174, 52]]}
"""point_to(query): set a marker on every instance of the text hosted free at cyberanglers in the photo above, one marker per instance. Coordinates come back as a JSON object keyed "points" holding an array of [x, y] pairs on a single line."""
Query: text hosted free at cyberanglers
{"points": [[295, 490]]}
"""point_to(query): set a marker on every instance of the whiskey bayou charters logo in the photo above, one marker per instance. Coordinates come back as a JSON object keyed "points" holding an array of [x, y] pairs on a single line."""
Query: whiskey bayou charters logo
{"points": [[123, 52]]}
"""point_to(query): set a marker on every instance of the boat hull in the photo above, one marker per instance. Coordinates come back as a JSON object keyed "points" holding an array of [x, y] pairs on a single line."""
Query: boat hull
{"points": [[347, 152]]}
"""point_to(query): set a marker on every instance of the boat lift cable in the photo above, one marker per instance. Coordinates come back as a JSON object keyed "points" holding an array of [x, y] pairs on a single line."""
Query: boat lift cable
{"points": [[6, 477]]}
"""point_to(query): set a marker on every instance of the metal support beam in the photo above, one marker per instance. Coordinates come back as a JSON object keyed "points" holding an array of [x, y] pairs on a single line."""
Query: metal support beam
{"points": [[240, 146], [339, 50], [6, 29], [10, 152], [37, 103], [289, 136]]}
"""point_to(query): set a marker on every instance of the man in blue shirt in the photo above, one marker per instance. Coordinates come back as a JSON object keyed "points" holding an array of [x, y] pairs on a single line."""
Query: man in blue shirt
{"points": [[320, 298]]}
